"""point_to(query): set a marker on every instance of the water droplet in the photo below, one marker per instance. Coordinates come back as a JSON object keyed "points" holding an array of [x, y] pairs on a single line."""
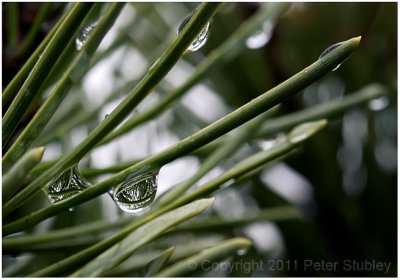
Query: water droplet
{"points": [[241, 252], [305, 130], [227, 183], [135, 194], [378, 104], [68, 184], [83, 35], [328, 50], [261, 37], [201, 39], [71, 209], [269, 143]]}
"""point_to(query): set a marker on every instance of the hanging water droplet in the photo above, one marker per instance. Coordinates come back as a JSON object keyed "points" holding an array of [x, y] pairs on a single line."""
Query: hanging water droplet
{"points": [[201, 39], [227, 183], [378, 104], [241, 252], [269, 143], [135, 194], [184, 23], [328, 50], [83, 35], [71, 209], [261, 37], [68, 184]]}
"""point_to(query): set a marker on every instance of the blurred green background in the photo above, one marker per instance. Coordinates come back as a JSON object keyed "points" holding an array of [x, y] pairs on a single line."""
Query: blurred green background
{"points": [[345, 178]]}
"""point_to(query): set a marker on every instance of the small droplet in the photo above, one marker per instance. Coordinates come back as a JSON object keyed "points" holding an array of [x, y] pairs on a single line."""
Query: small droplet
{"points": [[83, 35], [201, 39], [305, 130], [228, 183], [269, 143], [378, 104], [68, 184], [135, 194], [71, 209], [328, 50], [261, 37], [241, 252]]}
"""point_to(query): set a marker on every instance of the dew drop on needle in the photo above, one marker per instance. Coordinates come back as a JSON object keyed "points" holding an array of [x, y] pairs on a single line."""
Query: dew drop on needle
{"points": [[261, 37], [84, 35], [328, 50], [378, 104], [136, 193], [68, 184], [201, 39], [241, 252]]}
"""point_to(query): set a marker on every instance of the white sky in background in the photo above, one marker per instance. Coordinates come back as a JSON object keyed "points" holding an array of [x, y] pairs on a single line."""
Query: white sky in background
{"points": [[266, 237], [295, 187]]}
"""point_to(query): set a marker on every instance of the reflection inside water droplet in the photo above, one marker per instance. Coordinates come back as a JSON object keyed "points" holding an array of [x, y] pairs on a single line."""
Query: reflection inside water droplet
{"points": [[83, 35], [135, 194], [68, 184], [201, 39]]}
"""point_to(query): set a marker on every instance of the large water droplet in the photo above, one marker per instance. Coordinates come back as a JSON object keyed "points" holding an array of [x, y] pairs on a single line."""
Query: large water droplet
{"points": [[328, 50], [83, 35], [201, 39], [261, 37], [135, 194], [68, 184]]}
